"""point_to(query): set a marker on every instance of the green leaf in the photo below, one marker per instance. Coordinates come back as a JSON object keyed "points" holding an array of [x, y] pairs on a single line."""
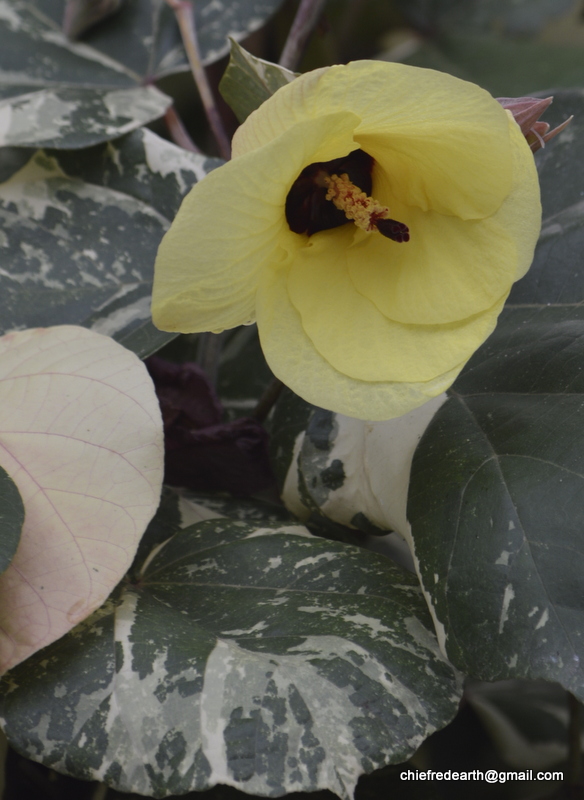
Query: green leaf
{"points": [[559, 163], [143, 39], [80, 232], [249, 81], [254, 656], [505, 68], [510, 16], [556, 275], [496, 503], [11, 519], [498, 479], [58, 93]]}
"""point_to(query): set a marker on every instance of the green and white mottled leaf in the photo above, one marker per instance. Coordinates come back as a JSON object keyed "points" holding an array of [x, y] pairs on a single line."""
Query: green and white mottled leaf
{"points": [[80, 15], [199, 506], [11, 519], [81, 436], [138, 45], [496, 501], [77, 117], [248, 81], [253, 656], [63, 94], [66, 94], [79, 232]]}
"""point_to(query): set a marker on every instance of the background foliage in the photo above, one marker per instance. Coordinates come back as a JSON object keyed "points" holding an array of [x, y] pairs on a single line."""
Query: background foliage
{"points": [[239, 647]]}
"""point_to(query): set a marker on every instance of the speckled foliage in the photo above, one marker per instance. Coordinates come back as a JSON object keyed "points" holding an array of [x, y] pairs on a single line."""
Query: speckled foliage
{"points": [[79, 231], [248, 654], [59, 93]]}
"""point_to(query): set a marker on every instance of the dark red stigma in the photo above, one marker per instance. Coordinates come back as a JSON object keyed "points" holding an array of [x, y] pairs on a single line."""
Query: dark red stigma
{"points": [[394, 230]]}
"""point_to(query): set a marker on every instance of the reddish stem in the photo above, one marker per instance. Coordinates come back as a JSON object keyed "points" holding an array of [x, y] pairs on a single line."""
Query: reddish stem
{"points": [[307, 16], [185, 17], [178, 132]]}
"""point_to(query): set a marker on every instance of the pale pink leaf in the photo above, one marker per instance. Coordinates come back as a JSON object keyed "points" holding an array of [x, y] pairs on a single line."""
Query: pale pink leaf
{"points": [[81, 436]]}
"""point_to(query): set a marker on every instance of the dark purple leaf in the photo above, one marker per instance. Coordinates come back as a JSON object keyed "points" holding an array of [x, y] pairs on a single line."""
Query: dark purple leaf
{"points": [[201, 451]]}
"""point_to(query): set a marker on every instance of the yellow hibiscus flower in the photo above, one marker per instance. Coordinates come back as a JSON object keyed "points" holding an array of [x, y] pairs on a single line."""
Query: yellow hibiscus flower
{"points": [[369, 302]]}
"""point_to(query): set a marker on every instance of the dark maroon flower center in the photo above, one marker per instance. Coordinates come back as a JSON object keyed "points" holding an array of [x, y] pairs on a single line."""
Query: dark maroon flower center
{"points": [[312, 205]]}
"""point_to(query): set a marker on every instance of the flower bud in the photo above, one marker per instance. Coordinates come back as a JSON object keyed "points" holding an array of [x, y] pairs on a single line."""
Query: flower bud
{"points": [[525, 111]]}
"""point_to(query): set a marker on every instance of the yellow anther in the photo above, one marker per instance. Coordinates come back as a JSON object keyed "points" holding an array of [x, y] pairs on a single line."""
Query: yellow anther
{"points": [[363, 210]]}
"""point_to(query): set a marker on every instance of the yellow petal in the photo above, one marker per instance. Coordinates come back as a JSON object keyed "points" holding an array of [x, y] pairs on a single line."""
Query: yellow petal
{"points": [[443, 141], [450, 269], [350, 332], [521, 211], [293, 358], [232, 225]]}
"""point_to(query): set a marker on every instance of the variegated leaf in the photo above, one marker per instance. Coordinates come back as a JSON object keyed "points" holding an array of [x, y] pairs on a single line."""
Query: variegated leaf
{"points": [[138, 45], [250, 655], [79, 232], [248, 81], [67, 117], [497, 491], [58, 93], [81, 15]]}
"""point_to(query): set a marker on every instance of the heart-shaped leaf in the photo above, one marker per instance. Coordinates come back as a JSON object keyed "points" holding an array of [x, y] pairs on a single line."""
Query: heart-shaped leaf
{"points": [[11, 518], [81, 436], [80, 232], [253, 655]]}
